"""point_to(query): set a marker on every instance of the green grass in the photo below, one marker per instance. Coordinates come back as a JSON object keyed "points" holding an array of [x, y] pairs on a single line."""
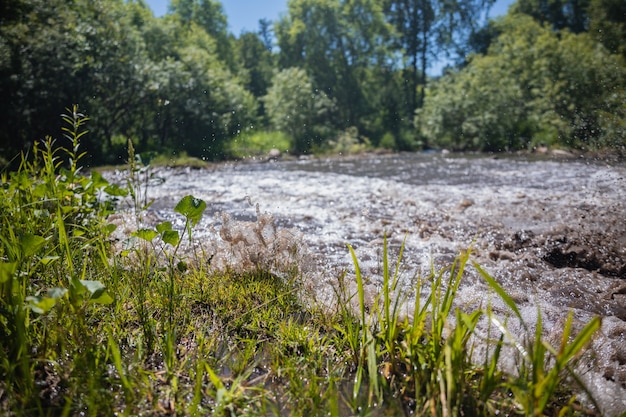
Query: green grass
{"points": [[151, 331], [258, 144]]}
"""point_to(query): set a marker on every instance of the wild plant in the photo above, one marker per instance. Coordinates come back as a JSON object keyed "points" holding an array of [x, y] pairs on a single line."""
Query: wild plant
{"points": [[51, 223], [191, 209], [542, 368], [425, 358]]}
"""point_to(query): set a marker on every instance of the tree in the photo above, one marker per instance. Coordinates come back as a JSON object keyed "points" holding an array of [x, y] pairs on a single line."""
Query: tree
{"points": [[295, 107], [560, 14], [535, 86], [209, 15], [201, 103], [335, 42], [426, 29], [255, 63], [607, 24], [60, 53]]}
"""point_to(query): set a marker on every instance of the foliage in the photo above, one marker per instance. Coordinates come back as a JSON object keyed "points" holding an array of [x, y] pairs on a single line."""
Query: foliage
{"points": [[182, 83], [258, 143], [427, 358], [534, 87], [607, 24], [162, 81], [53, 258], [294, 107], [336, 42], [560, 14], [425, 30]]}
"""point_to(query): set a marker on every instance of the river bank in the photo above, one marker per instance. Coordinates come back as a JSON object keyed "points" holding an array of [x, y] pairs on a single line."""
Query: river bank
{"points": [[552, 232]]}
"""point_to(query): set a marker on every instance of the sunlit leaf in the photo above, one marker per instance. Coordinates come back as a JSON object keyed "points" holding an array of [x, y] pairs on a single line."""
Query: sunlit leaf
{"points": [[500, 291], [109, 228], [162, 227], [49, 259], [192, 208], [7, 269], [97, 292], [57, 292], [97, 180], [115, 190], [146, 234], [40, 305], [31, 244], [171, 236]]}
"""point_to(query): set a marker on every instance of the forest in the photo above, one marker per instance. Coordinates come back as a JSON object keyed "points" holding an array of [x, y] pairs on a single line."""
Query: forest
{"points": [[328, 76]]}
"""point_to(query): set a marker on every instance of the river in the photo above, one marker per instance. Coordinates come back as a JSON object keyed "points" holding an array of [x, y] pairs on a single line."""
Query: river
{"points": [[552, 232]]}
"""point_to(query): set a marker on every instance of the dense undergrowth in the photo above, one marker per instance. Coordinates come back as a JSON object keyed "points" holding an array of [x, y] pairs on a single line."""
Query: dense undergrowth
{"points": [[152, 330]]}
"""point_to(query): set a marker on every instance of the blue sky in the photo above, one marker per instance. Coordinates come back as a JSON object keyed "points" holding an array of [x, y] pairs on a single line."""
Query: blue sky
{"points": [[245, 14], [242, 14]]}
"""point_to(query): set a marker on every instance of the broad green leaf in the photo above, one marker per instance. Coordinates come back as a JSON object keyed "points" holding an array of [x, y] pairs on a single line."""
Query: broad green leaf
{"points": [[31, 244], [115, 190], [57, 292], [7, 269], [109, 228], [162, 227], [104, 298], [97, 180], [42, 305], [171, 236], [146, 234], [192, 208], [97, 292]]}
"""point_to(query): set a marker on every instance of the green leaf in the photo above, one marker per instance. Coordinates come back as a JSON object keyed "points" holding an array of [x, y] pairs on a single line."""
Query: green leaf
{"points": [[57, 292], [97, 292], [146, 234], [109, 228], [31, 244], [42, 305], [171, 236], [49, 259], [97, 180], [581, 340], [192, 208], [163, 227], [115, 190], [500, 291], [7, 269]]}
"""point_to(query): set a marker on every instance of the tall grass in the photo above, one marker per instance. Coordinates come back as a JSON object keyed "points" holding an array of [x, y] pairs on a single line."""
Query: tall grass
{"points": [[151, 330], [425, 358]]}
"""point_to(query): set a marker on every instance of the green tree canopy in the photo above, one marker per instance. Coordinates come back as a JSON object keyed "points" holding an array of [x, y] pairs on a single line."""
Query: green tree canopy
{"points": [[534, 86], [294, 106]]}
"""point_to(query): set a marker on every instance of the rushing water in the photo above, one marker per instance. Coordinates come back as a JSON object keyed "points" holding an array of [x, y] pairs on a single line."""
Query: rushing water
{"points": [[552, 232]]}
